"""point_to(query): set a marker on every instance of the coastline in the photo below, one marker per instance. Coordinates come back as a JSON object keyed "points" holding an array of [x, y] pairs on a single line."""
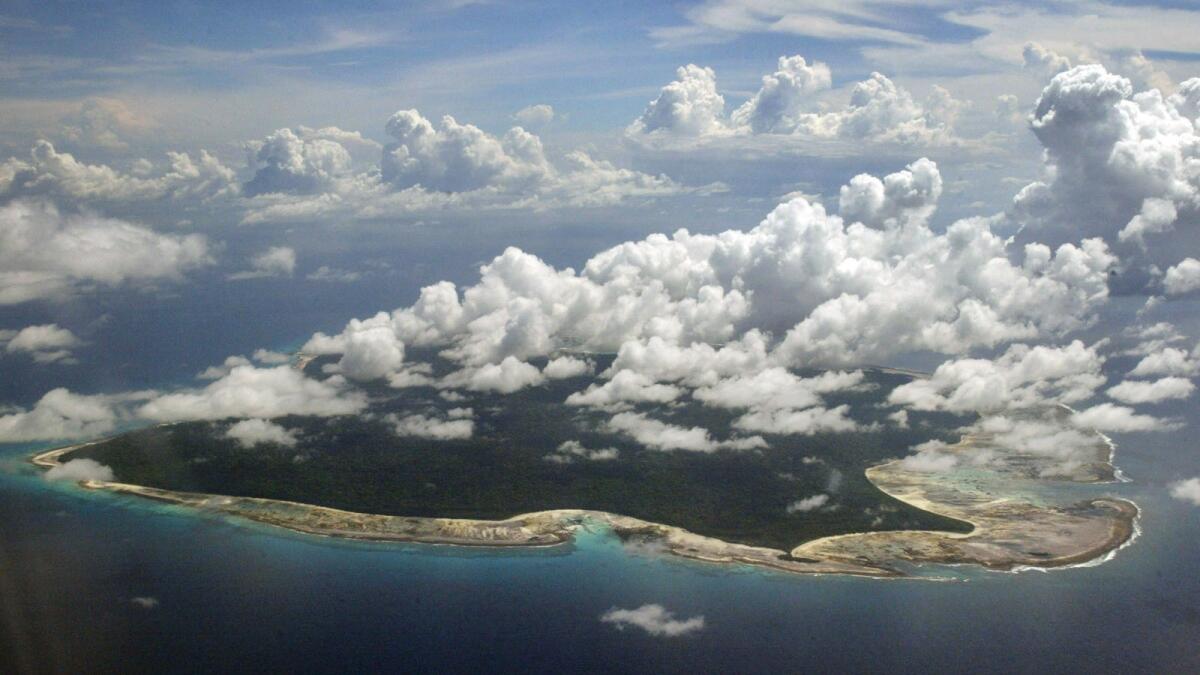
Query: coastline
{"points": [[1007, 535]]}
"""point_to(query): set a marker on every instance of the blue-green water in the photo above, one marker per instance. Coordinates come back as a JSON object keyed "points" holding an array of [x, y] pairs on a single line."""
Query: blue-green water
{"points": [[239, 596]]}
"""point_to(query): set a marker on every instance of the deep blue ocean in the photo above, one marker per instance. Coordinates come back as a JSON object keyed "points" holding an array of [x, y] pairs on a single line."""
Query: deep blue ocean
{"points": [[235, 596]]}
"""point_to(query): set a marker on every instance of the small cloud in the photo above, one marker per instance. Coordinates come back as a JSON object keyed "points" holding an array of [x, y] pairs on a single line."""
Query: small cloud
{"points": [[76, 470], [44, 344], [808, 504], [270, 358], [534, 115], [654, 619], [1187, 490], [333, 275], [251, 432], [145, 602], [277, 261]]}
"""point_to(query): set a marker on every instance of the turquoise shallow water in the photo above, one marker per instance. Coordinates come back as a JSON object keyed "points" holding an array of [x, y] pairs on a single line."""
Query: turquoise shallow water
{"points": [[241, 596]]}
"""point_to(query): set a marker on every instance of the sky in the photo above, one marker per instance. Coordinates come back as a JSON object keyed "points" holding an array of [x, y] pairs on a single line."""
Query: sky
{"points": [[718, 192]]}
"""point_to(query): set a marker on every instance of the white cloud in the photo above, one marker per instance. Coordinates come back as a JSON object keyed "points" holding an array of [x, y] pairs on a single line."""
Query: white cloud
{"points": [[457, 425], [459, 157], [1022, 377], [450, 166], [929, 459], [60, 415], [144, 602], [688, 106], [370, 350], [782, 96], [653, 619], [904, 197], [1109, 417], [334, 275], [505, 377], [276, 261], [778, 402], [247, 392], [58, 174], [877, 110], [46, 253], [270, 358], [790, 421], [840, 293], [569, 452], [808, 504], [1167, 388], [1117, 166], [251, 432], [565, 367], [1187, 490], [1183, 277], [304, 163], [46, 343], [535, 115], [625, 387], [658, 435], [80, 469], [1169, 361]]}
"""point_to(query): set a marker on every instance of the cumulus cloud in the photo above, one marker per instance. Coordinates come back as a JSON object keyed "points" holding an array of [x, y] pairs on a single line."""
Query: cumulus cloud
{"points": [[1109, 417], [569, 452], [505, 377], [430, 167], [1021, 377], [654, 619], [1187, 490], [690, 105], [658, 435], [45, 253], [456, 425], [808, 504], [60, 415], [251, 432], [624, 388], [777, 104], [1183, 277], [276, 261], [838, 291], [908, 196], [929, 458], [1118, 165], [778, 402], [370, 350], [535, 115], [248, 391], [459, 157], [878, 110], [1167, 388], [304, 163], [80, 469], [46, 343], [565, 367], [1169, 361], [50, 173]]}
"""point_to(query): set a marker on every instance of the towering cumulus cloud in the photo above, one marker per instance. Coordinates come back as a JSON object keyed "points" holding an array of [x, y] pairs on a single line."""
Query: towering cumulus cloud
{"points": [[1120, 165], [803, 288], [878, 109]]}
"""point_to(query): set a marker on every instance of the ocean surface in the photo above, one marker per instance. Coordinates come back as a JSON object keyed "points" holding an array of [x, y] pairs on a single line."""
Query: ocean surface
{"points": [[97, 582]]}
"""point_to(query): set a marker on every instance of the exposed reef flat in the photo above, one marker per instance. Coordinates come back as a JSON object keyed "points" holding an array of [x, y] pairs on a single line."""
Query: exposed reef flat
{"points": [[1020, 518]]}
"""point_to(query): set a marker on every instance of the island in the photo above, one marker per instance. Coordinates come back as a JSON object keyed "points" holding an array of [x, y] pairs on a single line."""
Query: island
{"points": [[827, 503]]}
